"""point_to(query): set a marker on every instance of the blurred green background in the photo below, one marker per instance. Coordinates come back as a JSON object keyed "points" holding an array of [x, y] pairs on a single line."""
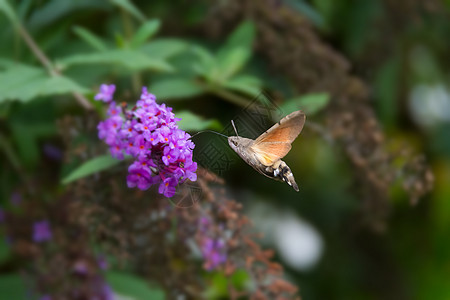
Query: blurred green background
{"points": [[211, 59]]}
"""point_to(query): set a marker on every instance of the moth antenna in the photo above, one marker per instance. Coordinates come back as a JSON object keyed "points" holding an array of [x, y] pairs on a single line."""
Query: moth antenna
{"points": [[207, 131], [235, 130]]}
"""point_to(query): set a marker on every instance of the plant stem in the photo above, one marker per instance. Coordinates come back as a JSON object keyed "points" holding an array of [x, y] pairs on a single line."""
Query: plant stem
{"points": [[36, 50], [15, 162], [136, 81], [231, 97], [224, 94], [127, 25], [45, 61]]}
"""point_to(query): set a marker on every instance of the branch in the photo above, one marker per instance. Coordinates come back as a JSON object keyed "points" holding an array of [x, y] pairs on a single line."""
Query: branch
{"points": [[45, 61]]}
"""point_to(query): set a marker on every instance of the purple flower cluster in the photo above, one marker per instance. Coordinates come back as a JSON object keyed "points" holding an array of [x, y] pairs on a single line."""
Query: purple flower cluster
{"points": [[42, 231], [149, 133], [213, 251]]}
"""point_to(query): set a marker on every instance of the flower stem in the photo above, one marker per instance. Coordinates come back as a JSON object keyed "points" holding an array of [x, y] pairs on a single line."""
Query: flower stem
{"points": [[224, 94], [45, 61], [15, 162], [36, 50], [136, 80]]}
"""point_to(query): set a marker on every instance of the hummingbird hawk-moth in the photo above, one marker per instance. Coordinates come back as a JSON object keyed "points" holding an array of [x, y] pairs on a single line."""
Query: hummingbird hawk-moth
{"points": [[264, 154]]}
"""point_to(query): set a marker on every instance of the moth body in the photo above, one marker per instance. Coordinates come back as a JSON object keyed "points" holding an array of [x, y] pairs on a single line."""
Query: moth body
{"points": [[279, 170], [264, 154]]}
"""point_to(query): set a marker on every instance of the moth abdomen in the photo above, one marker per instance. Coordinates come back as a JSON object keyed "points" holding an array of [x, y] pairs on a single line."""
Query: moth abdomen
{"points": [[284, 172], [279, 171]]}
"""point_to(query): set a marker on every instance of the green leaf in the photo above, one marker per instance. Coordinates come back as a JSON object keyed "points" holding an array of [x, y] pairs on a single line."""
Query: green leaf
{"points": [[9, 152], [310, 103], [174, 88], [217, 287], [386, 86], [219, 284], [26, 144], [26, 135], [240, 280], [7, 63], [90, 38], [164, 48], [90, 167], [243, 36], [146, 31], [23, 9], [131, 286], [230, 59], [203, 54], [5, 252], [60, 85], [190, 121], [230, 62], [12, 287], [206, 64], [245, 84], [130, 7], [247, 80], [131, 59], [48, 13], [120, 40], [8, 11], [24, 83], [16, 76], [235, 53]]}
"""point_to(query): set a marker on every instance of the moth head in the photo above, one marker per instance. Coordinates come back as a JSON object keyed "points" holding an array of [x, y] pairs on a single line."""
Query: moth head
{"points": [[233, 141]]}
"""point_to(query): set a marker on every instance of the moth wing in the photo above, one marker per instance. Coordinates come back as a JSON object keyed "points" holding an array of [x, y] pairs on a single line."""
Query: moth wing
{"points": [[286, 130], [269, 153], [275, 143]]}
